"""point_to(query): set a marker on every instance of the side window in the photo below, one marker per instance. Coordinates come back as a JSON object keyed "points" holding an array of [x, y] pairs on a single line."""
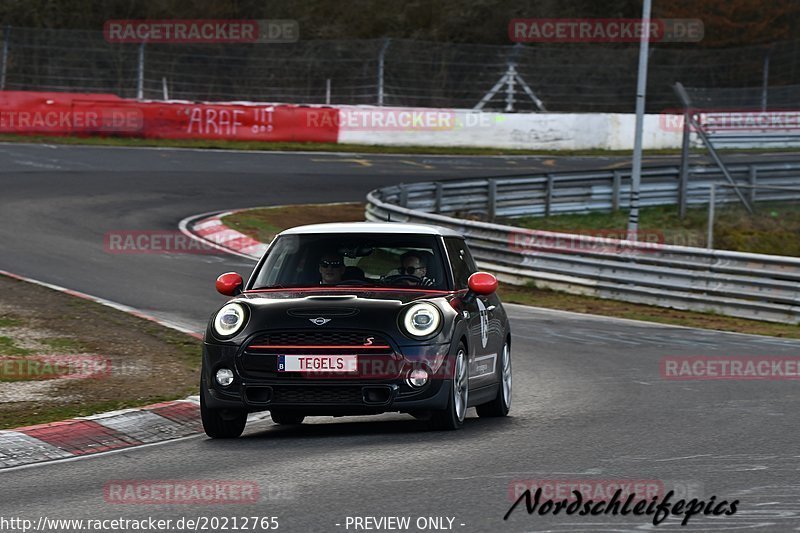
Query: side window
{"points": [[461, 261]]}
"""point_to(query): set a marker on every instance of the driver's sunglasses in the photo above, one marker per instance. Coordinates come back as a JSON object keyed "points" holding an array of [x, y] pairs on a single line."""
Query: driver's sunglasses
{"points": [[331, 264], [410, 270]]}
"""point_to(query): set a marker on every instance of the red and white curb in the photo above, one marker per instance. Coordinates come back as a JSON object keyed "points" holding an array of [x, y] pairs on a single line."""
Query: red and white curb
{"points": [[105, 431], [100, 433], [212, 231]]}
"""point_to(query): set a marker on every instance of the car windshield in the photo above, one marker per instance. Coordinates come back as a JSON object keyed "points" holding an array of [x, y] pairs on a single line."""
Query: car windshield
{"points": [[351, 259]]}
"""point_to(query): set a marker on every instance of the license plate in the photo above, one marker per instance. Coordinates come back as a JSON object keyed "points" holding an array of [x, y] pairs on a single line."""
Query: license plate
{"points": [[317, 363]]}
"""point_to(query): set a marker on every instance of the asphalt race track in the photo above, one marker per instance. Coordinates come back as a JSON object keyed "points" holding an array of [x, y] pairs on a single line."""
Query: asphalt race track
{"points": [[589, 402]]}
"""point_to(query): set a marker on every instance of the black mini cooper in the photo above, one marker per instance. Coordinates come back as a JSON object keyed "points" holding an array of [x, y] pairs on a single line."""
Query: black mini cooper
{"points": [[357, 318]]}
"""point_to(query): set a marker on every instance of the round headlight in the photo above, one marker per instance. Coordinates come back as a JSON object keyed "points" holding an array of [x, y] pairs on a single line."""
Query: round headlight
{"points": [[229, 320], [422, 319]]}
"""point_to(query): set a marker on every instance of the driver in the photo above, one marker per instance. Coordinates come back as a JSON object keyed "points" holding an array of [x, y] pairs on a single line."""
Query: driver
{"points": [[416, 264], [331, 268]]}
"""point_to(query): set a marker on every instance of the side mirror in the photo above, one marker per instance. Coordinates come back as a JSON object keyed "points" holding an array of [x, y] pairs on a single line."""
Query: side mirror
{"points": [[230, 284], [482, 283]]}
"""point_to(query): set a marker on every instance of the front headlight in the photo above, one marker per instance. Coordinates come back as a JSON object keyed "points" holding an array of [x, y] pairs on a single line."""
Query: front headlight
{"points": [[229, 320], [422, 319]]}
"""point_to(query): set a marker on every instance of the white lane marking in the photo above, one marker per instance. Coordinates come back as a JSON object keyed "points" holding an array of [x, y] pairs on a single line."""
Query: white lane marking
{"points": [[102, 301], [38, 165]]}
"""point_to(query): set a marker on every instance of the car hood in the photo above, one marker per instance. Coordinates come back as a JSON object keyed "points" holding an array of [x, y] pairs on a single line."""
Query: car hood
{"points": [[325, 309], [335, 296]]}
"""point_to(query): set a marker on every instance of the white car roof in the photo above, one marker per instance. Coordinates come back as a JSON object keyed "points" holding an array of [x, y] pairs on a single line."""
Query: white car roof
{"points": [[372, 227]]}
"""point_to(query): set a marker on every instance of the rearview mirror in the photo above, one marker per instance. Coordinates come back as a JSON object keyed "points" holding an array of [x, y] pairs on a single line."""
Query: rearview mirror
{"points": [[230, 284]]}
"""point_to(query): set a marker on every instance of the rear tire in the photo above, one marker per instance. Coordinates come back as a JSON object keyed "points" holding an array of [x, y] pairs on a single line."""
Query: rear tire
{"points": [[286, 419], [502, 402], [221, 423], [452, 417]]}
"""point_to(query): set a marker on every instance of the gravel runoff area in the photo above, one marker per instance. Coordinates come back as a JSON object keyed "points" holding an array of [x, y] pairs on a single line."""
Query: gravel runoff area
{"points": [[63, 356]]}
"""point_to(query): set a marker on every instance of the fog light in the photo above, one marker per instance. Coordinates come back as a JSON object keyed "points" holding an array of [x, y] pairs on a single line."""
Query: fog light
{"points": [[224, 376], [417, 377]]}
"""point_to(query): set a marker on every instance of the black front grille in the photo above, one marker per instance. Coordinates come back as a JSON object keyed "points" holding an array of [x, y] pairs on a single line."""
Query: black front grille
{"points": [[319, 337], [316, 394], [377, 359]]}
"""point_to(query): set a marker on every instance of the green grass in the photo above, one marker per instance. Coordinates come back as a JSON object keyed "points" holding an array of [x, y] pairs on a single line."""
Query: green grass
{"points": [[264, 223], [7, 321], [252, 223], [9, 348], [65, 344], [773, 229]]}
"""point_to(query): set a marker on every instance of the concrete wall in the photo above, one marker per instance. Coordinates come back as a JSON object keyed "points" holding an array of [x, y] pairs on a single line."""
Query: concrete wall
{"points": [[538, 131]]}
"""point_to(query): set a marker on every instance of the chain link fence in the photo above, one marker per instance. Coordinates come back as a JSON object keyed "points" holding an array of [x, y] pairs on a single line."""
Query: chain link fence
{"points": [[565, 77]]}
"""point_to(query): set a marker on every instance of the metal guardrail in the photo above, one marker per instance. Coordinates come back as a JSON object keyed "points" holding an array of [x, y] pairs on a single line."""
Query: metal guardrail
{"points": [[754, 286]]}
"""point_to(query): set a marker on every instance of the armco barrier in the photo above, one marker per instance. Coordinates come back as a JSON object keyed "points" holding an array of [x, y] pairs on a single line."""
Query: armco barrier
{"points": [[108, 115], [591, 190], [754, 286]]}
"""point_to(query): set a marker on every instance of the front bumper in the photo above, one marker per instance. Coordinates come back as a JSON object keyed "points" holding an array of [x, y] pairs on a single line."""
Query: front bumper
{"points": [[340, 396]]}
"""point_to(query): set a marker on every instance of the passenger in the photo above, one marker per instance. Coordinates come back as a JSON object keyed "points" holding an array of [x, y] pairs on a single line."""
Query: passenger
{"points": [[331, 268]]}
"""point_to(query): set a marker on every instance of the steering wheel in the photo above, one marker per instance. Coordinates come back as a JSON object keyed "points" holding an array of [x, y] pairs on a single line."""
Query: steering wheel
{"points": [[402, 277], [354, 282]]}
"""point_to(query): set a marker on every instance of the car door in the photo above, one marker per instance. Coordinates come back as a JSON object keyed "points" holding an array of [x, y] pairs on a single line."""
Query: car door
{"points": [[483, 350]]}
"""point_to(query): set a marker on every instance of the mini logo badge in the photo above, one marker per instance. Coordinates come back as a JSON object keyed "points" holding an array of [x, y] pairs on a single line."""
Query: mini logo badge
{"points": [[319, 320]]}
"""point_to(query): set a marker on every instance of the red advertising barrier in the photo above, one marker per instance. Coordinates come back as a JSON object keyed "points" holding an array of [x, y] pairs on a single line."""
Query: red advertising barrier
{"points": [[108, 115]]}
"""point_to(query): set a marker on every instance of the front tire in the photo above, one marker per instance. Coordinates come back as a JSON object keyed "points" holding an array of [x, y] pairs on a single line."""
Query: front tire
{"points": [[502, 402], [221, 423], [452, 417]]}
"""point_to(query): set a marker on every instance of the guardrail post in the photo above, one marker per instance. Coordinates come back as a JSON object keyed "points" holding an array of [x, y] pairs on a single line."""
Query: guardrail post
{"points": [[548, 198], [437, 202], [753, 179], [683, 185], [140, 74], [615, 186], [4, 57], [381, 69], [491, 201], [711, 201], [403, 195]]}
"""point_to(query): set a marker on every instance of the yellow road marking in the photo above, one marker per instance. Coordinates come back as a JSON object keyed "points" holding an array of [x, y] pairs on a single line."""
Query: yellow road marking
{"points": [[362, 162], [415, 164]]}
